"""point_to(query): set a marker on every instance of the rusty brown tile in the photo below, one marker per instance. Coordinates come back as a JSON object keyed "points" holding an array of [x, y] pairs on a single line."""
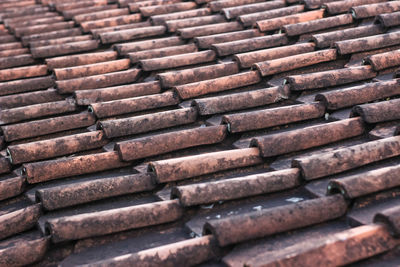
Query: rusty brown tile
{"points": [[83, 192], [323, 40], [162, 143], [388, 19], [317, 25], [384, 60], [38, 11], [81, 59], [21, 4], [80, 4], [51, 148], [256, 224], [220, 84], [135, 5], [174, 25], [240, 187], [69, 14], [51, 35], [23, 249], [9, 46], [101, 14], [14, 52], [366, 183], [336, 161], [64, 49], [274, 66], [276, 23], [236, 11], [36, 111], [187, 33], [246, 60], [308, 137], [266, 118], [18, 17], [149, 122], [207, 41], [96, 32], [47, 126], [131, 34], [63, 40], [349, 97], [329, 78], [91, 69], [108, 22], [113, 220], [59, 168], [23, 72], [233, 47], [368, 43], [29, 30], [337, 7], [162, 19], [87, 97], [164, 9], [370, 10], [237, 101], [390, 217], [379, 112], [31, 98], [177, 60], [11, 187], [337, 249], [98, 81], [173, 78], [16, 61], [162, 52], [191, 166], [219, 5], [14, 25], [135, 104], [188, 252], [19, 220], [125, 48]]}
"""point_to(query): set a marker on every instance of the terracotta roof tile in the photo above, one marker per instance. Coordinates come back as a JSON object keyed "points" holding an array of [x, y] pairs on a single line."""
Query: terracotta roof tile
{"points": [[77, 193], [113, 220], [237, 101], [149, 122], [253, 225], [222, 116], [336, 7], [336, 161], [162, 52], [308, 137], [86, 97], [47, 126], [236, 11], [167, 142], [367, 183], [250, 19], [194, 13], [59, 168], [371, 10], [23, 249]]}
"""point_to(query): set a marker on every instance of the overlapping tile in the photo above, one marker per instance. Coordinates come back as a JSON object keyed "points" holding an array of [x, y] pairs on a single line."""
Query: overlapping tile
{"points": [[111, 100]]}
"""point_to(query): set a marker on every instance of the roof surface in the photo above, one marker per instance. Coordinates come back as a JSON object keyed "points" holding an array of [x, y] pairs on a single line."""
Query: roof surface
{"points": [[211, 133]]}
